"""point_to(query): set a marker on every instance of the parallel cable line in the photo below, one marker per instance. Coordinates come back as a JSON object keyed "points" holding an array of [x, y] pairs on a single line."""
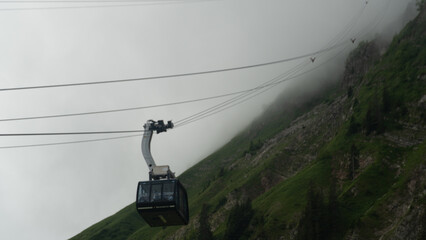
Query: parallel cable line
{"points": [[103, 132], [203, 114], [348, 27], [376, 21], [136, 108], [233, 102], [175, 75], [123, 109], [103, 139], [230, 103], [67, 133], [128, 136], [69, 142], [264, 85], [111, 4]]}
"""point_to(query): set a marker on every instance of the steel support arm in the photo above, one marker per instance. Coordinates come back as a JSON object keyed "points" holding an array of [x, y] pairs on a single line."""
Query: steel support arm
{"points": [[155, 171]]}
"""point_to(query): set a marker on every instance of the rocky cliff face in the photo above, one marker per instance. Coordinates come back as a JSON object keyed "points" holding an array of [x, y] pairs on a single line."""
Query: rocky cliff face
{"points": [[359, 62], [399, 213], [373, 131]]}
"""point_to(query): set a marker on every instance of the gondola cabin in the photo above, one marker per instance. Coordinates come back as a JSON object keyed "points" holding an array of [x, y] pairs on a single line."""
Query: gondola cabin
{"points": [[162, 202]]}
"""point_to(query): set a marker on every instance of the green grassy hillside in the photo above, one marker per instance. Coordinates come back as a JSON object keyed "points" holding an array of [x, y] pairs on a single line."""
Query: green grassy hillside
{"points": [[348, 164]]}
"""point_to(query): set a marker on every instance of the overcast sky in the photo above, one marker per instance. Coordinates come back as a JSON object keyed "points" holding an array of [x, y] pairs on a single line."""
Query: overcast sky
{"points": [[55, 192]]}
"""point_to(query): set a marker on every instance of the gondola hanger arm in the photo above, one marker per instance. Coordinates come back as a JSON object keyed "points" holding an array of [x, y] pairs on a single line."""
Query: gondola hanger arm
{"points": [[155, 172]]}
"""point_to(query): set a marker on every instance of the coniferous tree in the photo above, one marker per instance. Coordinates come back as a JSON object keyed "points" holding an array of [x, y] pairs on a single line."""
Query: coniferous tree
{"points": [[204, 232], [350, 91], [374, 118], [320, 221], [386, 101], [238, 220], [312, 225], [333, 215], [353, 126]]}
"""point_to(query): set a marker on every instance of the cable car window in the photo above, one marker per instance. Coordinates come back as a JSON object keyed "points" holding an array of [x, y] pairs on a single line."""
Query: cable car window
{"points": [[181, 201], [168, 191], [143, 193], [185, 204], [155, 192]]}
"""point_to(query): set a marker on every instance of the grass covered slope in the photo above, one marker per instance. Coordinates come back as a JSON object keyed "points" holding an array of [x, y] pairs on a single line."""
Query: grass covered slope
{"points": [[349, 164]]}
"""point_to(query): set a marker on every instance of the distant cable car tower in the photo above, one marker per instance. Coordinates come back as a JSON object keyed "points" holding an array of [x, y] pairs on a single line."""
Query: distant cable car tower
{"points": [[161, 201]]}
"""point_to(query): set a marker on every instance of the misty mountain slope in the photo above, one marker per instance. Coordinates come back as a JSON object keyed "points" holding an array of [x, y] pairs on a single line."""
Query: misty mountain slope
{"points": [[123, 224], [376, 158], [212, 168], [347, 164]]}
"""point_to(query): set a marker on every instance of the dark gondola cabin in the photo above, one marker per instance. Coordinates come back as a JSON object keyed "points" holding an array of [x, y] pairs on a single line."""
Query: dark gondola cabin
{"points": [[162, 202]]}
